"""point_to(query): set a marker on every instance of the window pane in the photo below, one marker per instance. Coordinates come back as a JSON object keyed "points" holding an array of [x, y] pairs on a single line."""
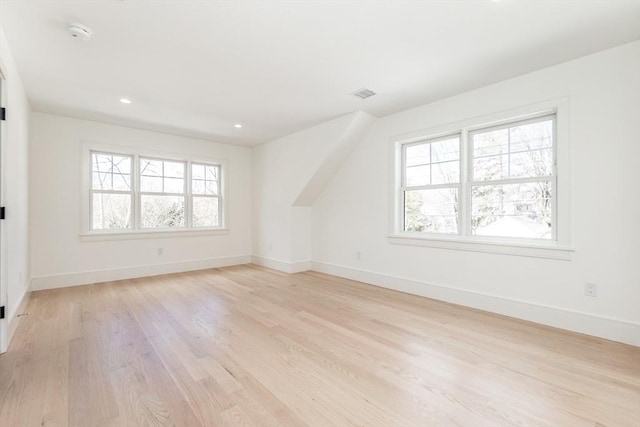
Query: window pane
{"points": [[197, 186], [205, 212], [162, 176], [121, 182], [101, 181], [110, 172], [532, 163], [173, 185], [197, 171], [102, 162], [519, 151], [211, 188], [491, 143], [110, 211], [434, 162], [532, 136], [162, 211], [431, 211], [174, 169], [204, 179], [151, 184], [212, 173], [418, 175], [491, 168], [110, 163], [445, 150], [417, 155], [122, 164], [150, 167], [445, 173], [512, 210]]}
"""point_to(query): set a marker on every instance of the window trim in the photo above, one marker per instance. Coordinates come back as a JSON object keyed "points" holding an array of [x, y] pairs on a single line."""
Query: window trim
{"points": [[559, 248], [136, 232]]}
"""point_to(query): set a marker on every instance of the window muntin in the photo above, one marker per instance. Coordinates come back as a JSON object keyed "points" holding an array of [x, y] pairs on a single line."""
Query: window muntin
{"points": [[111, 193], [507, 188], [431, 185], [131, 192]]}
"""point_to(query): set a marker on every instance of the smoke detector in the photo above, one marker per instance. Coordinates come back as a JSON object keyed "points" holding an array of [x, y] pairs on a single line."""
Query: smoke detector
{"points": [[363, 93], [80, 31]]}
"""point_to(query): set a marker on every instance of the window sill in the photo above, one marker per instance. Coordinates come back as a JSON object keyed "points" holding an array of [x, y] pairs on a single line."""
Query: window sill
{"points": [[154, 234], [536, 250]]}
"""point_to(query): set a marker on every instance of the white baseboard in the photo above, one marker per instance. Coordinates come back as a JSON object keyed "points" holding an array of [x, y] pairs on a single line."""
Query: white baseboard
{"points": [[599, 326], [284, 266], [13, 319], [88, 277]]}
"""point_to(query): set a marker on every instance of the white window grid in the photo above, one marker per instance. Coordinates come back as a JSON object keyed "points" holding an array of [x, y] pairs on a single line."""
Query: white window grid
{"points": [[471, 182], [136, 193], [93, 191], [467, 182], [217, 184], [163, 176], [405, 187]]}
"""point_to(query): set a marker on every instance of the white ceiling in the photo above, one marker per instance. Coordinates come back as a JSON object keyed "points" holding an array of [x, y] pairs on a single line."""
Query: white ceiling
{"points": [[198, 67]]}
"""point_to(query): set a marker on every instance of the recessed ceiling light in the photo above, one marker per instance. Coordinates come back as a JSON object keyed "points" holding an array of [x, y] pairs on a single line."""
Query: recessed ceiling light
{"points": [[237, 125], [125, 101]]}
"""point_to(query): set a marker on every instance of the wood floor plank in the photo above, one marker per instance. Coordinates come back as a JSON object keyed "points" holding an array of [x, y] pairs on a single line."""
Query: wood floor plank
{"points": [[249, 346]]}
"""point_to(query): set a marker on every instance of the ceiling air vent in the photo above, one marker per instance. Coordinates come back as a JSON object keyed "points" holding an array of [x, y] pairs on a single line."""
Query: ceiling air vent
{"points": [[364, 93]]}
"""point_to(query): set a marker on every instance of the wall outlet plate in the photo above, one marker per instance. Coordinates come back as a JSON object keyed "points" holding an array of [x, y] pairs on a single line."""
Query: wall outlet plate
{"points": [[591, 289]]}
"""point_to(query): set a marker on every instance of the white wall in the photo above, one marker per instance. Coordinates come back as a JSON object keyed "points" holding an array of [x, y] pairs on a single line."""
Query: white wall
{"points": [[604, 114], [15, 182], [60, 257], [281, 171]]}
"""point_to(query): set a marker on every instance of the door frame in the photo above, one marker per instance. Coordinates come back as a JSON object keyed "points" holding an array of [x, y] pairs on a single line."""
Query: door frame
{"points": [[4, 292]]}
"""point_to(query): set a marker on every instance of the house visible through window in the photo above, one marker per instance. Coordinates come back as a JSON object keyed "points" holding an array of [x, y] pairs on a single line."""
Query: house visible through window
{"points": [[131, 192], [508, 190]]}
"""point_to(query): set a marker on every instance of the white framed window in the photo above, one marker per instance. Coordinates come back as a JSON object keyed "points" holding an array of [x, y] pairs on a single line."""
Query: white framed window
{"points": [[163, 193], [126, 193], [431, 185], [205, 187], [512, 179], [498, 184]]}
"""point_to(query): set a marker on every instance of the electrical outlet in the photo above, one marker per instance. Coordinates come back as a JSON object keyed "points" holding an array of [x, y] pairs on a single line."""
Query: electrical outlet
{"points": [[591, 289], [270, 247], [160, 251], [358, 255]]}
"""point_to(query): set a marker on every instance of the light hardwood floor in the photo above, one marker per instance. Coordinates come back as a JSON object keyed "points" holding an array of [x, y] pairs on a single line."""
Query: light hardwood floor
{"points": [[247, 346]]}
